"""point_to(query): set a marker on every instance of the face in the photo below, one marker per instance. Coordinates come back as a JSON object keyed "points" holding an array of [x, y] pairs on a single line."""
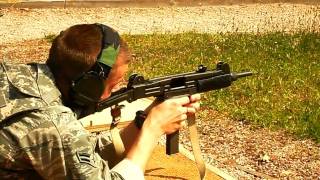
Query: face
{"points": [[115, 77]]}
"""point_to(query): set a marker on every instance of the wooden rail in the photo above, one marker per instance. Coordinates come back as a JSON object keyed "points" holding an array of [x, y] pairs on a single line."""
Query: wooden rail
{"points": [[105, 127]]}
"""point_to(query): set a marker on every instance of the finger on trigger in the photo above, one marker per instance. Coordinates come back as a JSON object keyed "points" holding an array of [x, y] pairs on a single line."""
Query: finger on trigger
{"points": [[195, 97], [183, 110]]}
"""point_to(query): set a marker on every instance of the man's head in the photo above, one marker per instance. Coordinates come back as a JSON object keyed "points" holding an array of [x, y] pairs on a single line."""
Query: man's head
{"points": [[83, 54]]}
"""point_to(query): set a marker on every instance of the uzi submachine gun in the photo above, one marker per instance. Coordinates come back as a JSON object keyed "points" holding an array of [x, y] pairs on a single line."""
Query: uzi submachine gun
{"points": [[189, 83]]}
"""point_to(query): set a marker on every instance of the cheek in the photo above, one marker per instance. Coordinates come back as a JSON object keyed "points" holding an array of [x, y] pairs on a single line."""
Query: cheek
{"points": [[116, 77], [124, 70], [111, 82]]}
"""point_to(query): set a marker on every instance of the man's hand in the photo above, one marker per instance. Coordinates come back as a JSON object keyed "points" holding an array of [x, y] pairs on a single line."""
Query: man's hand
{"points": [[164, 117], [169, 116]]}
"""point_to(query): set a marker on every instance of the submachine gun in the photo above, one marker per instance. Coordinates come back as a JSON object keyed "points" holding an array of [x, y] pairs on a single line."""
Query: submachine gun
{"points": [[189, 83]]}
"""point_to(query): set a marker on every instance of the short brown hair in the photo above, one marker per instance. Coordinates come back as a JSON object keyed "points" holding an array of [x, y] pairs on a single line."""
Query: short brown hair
{"points": [[75, 50]]}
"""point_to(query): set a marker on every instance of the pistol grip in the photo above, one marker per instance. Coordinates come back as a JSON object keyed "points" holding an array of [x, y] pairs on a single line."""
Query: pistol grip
{"points": [[172, 143]]}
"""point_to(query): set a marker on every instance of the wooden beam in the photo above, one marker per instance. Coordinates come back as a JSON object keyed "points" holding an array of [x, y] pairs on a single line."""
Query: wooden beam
{"points": [[105, 127]]}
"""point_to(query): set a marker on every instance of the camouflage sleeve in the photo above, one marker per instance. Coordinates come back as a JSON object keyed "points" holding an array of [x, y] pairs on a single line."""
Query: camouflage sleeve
{"points": [[79, 146], [57, 146]]}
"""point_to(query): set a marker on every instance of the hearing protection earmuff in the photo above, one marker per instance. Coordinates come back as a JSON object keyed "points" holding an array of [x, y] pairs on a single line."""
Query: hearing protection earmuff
{"points": [[89, 86]]}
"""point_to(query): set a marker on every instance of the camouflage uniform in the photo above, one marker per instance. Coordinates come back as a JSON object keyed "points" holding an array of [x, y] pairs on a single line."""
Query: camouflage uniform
{"points": [[39, 137]]}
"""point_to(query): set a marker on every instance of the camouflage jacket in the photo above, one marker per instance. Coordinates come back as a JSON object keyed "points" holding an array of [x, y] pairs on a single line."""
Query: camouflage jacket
{"points": [[39, 137]]}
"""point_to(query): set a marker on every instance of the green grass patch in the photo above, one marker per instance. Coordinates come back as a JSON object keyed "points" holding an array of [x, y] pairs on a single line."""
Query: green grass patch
{"points": [[284, 92], [49, 37]]}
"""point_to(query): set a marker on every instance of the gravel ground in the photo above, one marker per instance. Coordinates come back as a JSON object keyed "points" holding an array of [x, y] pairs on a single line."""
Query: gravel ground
{"points": [[235, 147], [248, 152], [22, 24]]}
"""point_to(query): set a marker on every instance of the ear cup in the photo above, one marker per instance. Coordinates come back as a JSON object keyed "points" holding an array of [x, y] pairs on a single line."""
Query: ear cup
{"points": [[88, 89]]}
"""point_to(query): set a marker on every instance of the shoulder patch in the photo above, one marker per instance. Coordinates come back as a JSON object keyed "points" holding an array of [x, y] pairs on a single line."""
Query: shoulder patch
{"points": [[86, 158]]}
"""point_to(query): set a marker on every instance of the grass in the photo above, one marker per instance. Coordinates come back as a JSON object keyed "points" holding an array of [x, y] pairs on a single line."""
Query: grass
{"points": [[49, 37], [284, 93]]}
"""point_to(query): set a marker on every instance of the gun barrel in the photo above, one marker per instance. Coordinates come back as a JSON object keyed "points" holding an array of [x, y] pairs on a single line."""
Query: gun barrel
{"points": [[235, 76]]}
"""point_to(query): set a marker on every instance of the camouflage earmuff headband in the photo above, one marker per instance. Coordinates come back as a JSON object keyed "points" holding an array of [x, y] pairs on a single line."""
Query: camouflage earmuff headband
{"points": [[110, 46]]}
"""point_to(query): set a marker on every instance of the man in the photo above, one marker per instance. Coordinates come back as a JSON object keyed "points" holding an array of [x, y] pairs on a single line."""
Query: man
{"points": [[40, 135]]}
